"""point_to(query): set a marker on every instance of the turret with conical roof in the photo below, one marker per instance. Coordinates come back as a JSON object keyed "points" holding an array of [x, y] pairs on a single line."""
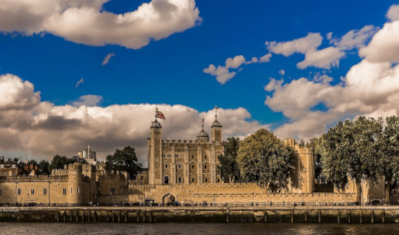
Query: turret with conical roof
{"points": [[216, 128], [202, 135]]}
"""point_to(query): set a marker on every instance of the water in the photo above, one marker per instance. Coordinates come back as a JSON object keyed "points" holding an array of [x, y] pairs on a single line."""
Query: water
{"points": [[194, 229]]}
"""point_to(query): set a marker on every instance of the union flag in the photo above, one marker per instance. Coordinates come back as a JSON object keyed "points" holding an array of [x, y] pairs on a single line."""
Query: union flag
{"points": [[160, 115]]}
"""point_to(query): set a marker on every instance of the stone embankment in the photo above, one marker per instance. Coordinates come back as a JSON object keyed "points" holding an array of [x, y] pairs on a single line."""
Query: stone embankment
{"points": [[260, 214]]}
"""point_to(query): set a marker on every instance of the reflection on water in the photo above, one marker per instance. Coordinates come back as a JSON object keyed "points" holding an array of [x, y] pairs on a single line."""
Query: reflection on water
{"points": [[194, 229]]}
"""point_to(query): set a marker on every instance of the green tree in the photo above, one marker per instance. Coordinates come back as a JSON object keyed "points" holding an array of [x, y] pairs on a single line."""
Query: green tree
{"points": [[124, 160], [44, 167], [229, 168], [59, 161], [265, 159], [349, 150], [314, 145], [388, 161]]}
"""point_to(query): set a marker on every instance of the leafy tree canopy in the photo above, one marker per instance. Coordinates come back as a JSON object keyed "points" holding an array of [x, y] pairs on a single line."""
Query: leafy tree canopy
{"points": [[229, 168], [124, 160], [265, 159]]}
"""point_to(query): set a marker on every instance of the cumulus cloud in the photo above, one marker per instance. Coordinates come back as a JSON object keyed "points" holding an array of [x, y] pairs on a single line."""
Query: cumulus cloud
{"points": [[86, 22], [327, 57], [384, 46], [370, 89], [88, 100], [223, 73], [79, 82], [16, 94], [393, 13], [45, 129], [107, 58], [282, 72]]}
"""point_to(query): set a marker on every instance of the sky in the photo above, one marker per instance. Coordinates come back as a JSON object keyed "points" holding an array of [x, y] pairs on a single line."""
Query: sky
{"points": [[77, 73]]}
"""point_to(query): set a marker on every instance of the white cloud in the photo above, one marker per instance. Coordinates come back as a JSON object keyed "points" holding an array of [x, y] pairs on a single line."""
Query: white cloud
{"points": [[107, 58], [325, 58], [223, 73], [300, 45], [323, 78], [86, 22], [384, 46], [44, 129], [393, 13], [16, 94], [282, 72], [88, 100], [265, 58], [79, 82], [355, 38], [370, 89]]}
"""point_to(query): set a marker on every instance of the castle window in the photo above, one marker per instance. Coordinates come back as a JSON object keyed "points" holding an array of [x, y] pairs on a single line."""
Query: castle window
{"points": [[179, 166], [19, 191], [192, 166], [141, 177], [205, 156], [112, 191], [206, 180], [45, 191], [166, 180], [32, 191], [205, 167], [192, 180], [192, 156], [218, 180], [176, 155], [163, 155], [78, 190], [179, 179], [166, 166], [169, 155], [64, 191]]}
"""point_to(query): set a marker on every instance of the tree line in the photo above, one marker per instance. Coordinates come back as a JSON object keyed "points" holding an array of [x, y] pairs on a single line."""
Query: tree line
{"points": [[364, 149], [122, 160]]}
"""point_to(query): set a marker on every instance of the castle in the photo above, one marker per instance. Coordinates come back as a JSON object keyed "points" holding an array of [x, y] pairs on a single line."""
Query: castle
{"points": [[184, 171]]}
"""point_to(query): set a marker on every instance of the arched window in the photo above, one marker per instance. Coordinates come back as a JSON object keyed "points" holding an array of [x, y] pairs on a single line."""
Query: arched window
{"points": [[192, 180], [166, 180], [166, 166], [206, 180], [205, 167], [179, 166], [218, 180], [205, 156], [192, 166], [179, 179], [192, 156]]}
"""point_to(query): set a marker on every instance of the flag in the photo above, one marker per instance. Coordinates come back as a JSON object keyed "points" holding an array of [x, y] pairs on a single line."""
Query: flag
{"points": [[160, 115]]}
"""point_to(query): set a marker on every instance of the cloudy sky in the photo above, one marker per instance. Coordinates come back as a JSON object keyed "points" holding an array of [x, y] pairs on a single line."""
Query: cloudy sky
{"points": [[75, 72]]}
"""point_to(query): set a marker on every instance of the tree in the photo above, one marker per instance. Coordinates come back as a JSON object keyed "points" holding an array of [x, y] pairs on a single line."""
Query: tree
{"points": [[265, 159], [388, 161], [59, 161], [124, 160], [44, 167], [314, 145], [349, 150], [229, 168]]}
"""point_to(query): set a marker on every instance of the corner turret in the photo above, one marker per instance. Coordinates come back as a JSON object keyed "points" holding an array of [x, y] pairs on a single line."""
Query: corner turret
{"points": [[216, 129]]}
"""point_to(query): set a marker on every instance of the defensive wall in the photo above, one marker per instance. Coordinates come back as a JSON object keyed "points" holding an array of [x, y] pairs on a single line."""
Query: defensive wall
{"points": [[248, 214], [228, 193]]}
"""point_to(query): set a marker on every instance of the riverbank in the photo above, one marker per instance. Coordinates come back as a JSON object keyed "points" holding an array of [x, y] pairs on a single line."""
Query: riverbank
{"points": [[205, 214]]}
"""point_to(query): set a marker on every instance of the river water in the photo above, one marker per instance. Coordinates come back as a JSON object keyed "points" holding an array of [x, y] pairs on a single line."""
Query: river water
{"points": [[194, 229]]}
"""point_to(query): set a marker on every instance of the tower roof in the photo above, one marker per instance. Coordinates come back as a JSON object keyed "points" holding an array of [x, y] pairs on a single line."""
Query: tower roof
{"points": [[216, 123], [156, 124], [202, 134]]}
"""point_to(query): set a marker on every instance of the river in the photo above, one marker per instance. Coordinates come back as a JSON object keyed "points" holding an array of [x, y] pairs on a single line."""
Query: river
{"points": [[194, 229]]}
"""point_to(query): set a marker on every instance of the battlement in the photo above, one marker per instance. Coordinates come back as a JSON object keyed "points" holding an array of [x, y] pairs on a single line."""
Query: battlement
{"points": [[186, 142], [36, 178]]}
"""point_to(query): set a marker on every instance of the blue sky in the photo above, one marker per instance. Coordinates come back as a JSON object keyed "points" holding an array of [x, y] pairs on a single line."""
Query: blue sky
{"points": [[171, 70]]}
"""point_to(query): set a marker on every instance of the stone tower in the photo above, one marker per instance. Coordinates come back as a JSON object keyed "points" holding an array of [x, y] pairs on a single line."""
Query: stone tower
{"points": [[155, 154], [75, 189], [216, 129]]}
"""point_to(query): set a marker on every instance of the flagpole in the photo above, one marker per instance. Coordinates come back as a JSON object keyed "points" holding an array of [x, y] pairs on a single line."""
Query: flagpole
{"points": [[156, 111]]}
